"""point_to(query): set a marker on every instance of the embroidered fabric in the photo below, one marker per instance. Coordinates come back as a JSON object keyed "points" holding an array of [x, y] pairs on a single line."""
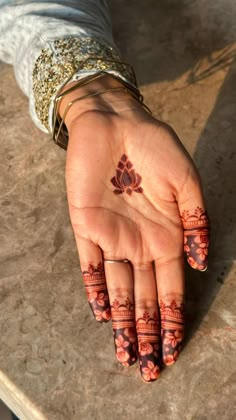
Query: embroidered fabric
{"points": [[45, 41], [53, 68]]}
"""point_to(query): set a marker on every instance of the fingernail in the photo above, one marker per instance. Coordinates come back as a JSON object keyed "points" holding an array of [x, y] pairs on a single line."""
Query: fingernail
{"points": [[205, 269]]}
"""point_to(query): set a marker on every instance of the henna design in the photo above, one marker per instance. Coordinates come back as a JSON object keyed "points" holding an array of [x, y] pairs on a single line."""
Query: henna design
{"points": [[147, 328], [96, 290], [172, 330], [124, 331], [126, 179], [196, 237]]}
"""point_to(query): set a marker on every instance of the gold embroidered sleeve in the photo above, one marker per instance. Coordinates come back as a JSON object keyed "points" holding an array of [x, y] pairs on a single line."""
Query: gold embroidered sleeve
{"points": [[59, 62]]}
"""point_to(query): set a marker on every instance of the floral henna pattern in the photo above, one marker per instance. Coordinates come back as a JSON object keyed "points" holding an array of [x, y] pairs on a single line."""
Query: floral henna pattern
{"points": [[124, 332], [147, 328], [126, 179], [172, 330], [196, 237], [96, 290]]}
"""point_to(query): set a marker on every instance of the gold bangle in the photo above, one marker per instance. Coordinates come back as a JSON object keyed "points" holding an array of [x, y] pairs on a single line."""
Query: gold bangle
{"points": [[68, 106], [60, 60], [133, 90], [106, 60], [60, 133]]}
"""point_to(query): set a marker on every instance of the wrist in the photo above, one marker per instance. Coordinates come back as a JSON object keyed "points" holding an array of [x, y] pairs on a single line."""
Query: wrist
{"points": [[110, 101]]}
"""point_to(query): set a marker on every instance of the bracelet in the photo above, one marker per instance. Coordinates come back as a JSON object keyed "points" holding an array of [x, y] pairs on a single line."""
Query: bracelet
{"points": [[60, 133], [59, 61]]}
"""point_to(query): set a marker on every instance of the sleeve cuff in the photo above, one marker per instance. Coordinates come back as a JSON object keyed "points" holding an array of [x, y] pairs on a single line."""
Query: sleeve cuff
{"points": [[59, 63]]}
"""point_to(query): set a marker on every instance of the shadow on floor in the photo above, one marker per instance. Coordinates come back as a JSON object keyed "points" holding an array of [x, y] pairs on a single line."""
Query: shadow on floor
{"points": [[164, 39], [215, 157], [162, 46], [5, 412]]}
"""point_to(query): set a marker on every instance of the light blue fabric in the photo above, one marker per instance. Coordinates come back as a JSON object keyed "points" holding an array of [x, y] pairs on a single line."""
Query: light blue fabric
{"points": [[26, 27]]}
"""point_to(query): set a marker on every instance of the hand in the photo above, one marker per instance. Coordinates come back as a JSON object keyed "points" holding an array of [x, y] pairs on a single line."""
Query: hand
{"points": [[132, 188]]}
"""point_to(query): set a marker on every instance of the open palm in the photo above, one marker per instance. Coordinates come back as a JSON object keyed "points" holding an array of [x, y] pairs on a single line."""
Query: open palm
{"points": [[132, 188]]}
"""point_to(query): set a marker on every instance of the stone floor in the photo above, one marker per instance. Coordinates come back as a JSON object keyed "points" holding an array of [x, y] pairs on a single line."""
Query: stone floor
{"points": [[55, 361]]}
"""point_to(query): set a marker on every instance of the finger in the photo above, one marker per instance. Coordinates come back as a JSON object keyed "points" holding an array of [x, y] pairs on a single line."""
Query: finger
{"points": [[196, 237], [120, 288], [170, 286], [147, 322], [196, 225], [91, 264]]}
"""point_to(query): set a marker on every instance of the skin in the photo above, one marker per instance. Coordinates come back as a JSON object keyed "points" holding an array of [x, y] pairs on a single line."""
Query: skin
{"points": [[142, 226]]}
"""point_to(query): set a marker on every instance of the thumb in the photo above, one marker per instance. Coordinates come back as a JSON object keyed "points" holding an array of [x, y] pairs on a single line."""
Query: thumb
{"points": [[195, 221]]}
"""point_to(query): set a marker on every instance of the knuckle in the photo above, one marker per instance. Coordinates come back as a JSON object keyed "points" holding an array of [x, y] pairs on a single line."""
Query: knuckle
{"points": [[145, 303], [192, 182], [143, 266], [79, 216]]}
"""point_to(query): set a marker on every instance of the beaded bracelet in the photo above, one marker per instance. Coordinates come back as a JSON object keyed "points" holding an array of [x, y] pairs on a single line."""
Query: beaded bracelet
{"points": [[60, 133]]}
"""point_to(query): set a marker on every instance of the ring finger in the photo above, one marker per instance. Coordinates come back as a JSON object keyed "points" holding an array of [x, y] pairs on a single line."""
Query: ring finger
{"points": [[170, 286], [92, 268]]}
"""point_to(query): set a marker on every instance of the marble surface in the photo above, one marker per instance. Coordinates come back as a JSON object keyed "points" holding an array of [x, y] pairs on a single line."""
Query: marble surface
{"points": [[56, 362]]}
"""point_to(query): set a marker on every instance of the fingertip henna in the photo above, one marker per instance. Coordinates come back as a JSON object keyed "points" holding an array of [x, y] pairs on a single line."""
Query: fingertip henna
{"points": [[125, 339], [147, 328], [196, 237], [96, 290], [101, 316], [172, 330]]}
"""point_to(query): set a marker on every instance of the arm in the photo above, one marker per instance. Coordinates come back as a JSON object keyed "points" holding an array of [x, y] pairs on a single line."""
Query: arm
{"points": [[134, 194], [46, 42]]}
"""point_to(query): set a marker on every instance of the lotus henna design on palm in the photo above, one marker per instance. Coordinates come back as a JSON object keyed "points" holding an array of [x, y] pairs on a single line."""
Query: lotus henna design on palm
{"points": [[126, 179]]}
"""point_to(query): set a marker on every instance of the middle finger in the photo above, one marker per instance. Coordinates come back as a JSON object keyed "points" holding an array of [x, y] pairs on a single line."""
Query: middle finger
{"points": [[147, 322], [120, 289]]}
